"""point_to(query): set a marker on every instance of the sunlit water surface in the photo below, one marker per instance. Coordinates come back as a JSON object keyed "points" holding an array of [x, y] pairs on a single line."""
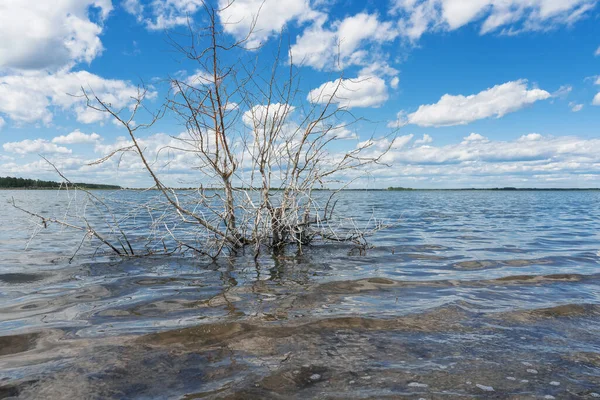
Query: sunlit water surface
{"points": [[470, 294]]}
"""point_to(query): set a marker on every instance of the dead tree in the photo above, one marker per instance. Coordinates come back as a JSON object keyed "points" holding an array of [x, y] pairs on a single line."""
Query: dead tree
{"points": [[258, 146]]}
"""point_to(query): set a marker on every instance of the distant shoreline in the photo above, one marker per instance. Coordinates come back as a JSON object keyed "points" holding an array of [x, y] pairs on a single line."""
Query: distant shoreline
{"points": [[330, 190], [55, 188], [15, 183]]}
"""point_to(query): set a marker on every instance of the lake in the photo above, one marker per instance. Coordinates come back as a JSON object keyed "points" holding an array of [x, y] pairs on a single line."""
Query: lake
{"points": [[468, 294]]}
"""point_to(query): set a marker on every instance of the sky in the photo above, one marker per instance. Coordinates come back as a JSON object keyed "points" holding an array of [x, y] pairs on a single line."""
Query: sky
{"points": [[479, 93]]}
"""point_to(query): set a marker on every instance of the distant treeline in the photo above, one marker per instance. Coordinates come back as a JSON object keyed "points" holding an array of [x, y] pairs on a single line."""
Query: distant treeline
{"points": [[22, 183]]}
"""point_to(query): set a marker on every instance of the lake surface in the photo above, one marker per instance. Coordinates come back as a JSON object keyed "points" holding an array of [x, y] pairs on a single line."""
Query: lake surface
{"points": [[470, 294]]}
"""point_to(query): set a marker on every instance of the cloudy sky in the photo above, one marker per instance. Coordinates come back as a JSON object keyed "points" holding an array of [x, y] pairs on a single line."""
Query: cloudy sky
{"points": [[481, 93]]}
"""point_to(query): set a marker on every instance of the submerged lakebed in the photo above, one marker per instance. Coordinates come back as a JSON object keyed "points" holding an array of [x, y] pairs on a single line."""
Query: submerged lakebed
{"points": [[471, 294]]}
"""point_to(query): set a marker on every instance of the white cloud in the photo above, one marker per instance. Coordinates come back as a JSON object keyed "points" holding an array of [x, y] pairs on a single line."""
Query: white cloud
{"points": [[343, 133], [264, 120], [575, 107], [264, 18], [542, 150], [77, 137], [34, 146], [35, 96], [596, 100], [506, 16], [263, 115], [461, 110], [38, 34], [530, 160], [364, 91], [543, 161], [399, 142], [401, 120], [2, 123], [324, 48], [382, 144], [104, 149], [199, 78], [426, 139], [134, 7], [395, 82], [163, 14], [417, 17], [475, 137], [380, 68], [597, 53], [563, 91], [531, 137]]}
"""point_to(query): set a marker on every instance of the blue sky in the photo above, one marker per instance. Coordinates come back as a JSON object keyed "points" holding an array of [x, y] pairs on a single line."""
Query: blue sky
{"points": [[484, 93]]}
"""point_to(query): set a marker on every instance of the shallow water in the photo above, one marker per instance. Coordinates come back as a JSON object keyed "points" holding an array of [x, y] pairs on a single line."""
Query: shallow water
{"points": [[469, 295]]}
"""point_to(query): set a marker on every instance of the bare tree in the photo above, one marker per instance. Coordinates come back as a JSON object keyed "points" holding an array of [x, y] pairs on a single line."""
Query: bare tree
{"points": [[259, 146]]}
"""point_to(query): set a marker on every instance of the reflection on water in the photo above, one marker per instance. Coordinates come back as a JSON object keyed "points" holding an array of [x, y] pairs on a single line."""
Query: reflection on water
{"points": [[470, 295]]}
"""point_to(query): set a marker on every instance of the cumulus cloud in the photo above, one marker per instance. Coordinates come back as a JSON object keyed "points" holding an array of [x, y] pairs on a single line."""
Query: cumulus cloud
{"points": [[492, 163], [35, 146], [478, 154], [596, 100], [199, 78], [364, 91], [77, 137], [263, 18], [475, 137], [342, 132], [265, 115], [461, 110], [2, 123], [374, 147], [35, 96], [134, 7], [505, 16], [162, 14], [426, 139], [323, 48], [530, 137], [529, 160], [42, 34]]}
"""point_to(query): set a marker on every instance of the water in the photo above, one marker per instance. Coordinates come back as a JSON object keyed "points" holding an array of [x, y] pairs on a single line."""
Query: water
{"points": [[470, 294]]}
